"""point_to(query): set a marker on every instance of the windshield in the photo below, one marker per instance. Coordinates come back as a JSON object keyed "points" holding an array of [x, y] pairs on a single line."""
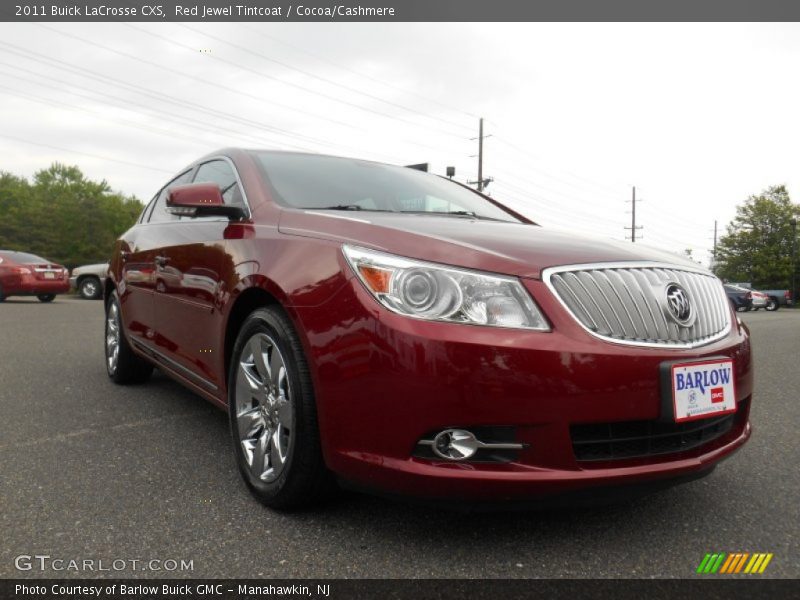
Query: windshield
{"points": [[312, 181], [23, 257]]}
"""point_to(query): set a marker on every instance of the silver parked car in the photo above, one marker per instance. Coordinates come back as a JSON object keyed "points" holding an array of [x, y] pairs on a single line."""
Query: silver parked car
{"points": [[88, 280]]}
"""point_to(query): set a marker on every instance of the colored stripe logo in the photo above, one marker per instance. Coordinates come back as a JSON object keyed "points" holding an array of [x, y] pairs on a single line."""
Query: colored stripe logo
{"points": [[735, 562]]}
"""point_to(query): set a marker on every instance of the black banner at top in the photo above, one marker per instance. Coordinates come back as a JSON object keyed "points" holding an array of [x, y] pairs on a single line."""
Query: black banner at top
{"points": [[399, 10]]}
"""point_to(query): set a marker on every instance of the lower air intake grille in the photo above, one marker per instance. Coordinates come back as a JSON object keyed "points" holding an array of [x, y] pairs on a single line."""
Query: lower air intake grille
{"points": [[633, 439]]}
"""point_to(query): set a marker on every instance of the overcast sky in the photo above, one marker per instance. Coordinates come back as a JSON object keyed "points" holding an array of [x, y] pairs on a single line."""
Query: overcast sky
{"points": [[696, 116]]}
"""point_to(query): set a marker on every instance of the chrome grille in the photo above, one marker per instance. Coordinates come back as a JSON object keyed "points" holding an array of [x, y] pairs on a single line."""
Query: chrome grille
{"points": [[626, 303]]}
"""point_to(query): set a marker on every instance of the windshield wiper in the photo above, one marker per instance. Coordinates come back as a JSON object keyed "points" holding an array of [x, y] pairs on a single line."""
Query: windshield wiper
{"points": [[345, 207], [457, 213]]}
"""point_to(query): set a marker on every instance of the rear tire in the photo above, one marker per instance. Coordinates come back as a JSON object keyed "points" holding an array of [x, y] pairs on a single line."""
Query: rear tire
{"points": [[772, 304], [122, 365], [89, 288], [2, 297], [273, 414], [46, 297]]}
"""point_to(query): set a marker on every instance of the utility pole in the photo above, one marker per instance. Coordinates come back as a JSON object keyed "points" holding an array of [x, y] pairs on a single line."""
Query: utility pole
{"points": [[794, 264], [480, 155], [715, 243], [481, 182], [633, 226]]}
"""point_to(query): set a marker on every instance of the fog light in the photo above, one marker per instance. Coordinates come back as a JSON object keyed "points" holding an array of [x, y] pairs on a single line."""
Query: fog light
{"points": [[455, 444]]}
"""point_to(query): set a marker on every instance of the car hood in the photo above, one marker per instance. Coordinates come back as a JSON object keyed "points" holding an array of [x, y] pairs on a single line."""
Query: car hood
{"points": [[510, 248], [98, 268]]}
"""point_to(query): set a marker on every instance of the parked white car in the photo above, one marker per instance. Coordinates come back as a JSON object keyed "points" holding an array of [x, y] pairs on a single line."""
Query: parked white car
{"points": [[88, 280]]}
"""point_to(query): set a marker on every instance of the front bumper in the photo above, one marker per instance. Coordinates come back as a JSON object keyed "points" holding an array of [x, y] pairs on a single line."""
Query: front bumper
{"points": [[383, 382]]}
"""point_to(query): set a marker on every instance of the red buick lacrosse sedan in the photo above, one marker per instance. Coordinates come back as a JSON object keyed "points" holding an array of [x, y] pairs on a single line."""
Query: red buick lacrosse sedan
{"points": [[394, 330]]}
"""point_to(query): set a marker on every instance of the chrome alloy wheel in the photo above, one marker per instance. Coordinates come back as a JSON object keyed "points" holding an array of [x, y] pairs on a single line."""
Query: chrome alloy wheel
{"points": [[264, 409], [112, 337]]}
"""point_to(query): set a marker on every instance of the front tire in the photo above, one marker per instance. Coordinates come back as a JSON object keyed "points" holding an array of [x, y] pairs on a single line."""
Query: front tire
{"points": [[273, 414], [46, 297], [772, 305], [89, 288], [122, 365]]}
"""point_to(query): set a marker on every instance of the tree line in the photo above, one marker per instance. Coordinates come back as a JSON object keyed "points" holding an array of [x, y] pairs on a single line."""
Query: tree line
{"points": [[757, 246], [63, 216]]}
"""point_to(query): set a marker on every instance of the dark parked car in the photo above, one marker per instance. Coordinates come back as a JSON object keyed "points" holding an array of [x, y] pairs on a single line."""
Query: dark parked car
{"points": [[775, 298], [23, 274], [741, 299], [400, 332]]}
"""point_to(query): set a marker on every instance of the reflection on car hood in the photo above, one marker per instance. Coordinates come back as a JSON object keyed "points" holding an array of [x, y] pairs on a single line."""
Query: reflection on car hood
{"points": [[511, 248]]}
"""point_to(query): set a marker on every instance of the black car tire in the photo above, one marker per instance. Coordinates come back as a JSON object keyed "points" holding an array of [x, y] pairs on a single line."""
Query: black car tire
{"points": [[90, 288], [2, 297], [303, 479], [129, 368], [772, 304], [46, 297]]}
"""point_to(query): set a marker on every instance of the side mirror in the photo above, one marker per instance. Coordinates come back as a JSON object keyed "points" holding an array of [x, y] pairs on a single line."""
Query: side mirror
{"points": [[200, 200]]}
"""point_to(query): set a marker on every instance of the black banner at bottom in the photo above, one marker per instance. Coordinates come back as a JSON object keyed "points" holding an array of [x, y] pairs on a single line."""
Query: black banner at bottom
{"points": [[417, 589]]}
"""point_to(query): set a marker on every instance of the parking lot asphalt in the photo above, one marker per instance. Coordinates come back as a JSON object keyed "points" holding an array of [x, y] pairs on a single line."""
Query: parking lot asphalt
{"points": [[90, 470]]}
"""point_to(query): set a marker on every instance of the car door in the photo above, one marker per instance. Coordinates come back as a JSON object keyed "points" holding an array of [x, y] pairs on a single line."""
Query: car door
{"points": [[188, 284], [136, 270]]}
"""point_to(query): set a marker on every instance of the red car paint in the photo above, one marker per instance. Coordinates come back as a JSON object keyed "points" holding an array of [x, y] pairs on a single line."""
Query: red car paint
{"points": [[383, 380], [23, 274]]}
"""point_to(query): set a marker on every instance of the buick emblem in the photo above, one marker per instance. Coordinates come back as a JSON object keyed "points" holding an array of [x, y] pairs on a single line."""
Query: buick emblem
{"points": [[679, 306]]}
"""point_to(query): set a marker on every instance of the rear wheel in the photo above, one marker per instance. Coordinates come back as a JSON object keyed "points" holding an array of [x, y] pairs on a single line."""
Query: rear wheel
{"points": [[89, 288], [772, 304], [273, 414], [46, 297], [2, 296], [122, 365]]}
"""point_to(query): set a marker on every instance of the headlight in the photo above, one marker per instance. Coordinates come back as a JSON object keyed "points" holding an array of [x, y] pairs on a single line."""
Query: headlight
{"points": [[438, 293]]}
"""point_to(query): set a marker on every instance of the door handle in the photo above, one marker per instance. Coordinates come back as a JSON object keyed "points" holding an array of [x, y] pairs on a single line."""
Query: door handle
{"points": [[162, 261]]}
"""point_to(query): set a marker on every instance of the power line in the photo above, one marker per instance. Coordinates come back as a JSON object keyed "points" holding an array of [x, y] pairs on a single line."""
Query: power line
{"points": [[165, 98], [73, 151], [288, 83], [319, 77], [204, 81], [194, 124], [359, 73]]}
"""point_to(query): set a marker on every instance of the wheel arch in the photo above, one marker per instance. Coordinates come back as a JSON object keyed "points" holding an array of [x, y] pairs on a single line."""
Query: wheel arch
{"points": [[245, 303]]}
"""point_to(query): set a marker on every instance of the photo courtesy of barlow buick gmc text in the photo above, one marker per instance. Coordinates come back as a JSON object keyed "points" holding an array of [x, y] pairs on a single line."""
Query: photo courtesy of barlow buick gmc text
{"points": [[399, 300]]}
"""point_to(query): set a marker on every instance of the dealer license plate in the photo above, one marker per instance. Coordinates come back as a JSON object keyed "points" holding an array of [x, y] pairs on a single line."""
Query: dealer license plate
{"points": [[49, 275], [702, 389]]}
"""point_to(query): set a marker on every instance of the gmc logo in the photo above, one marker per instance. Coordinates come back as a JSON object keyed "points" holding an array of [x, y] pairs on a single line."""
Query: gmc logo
{"points": [[717, 395]]}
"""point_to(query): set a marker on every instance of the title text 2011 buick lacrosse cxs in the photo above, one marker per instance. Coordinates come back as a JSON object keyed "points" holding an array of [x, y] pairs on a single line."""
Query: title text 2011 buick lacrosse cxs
{"points": [[403, 333]]}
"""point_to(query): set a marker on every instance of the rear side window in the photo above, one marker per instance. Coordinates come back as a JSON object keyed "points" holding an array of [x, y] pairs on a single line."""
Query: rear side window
{"points": [[23, 258], [159, 213], [221, 173]]}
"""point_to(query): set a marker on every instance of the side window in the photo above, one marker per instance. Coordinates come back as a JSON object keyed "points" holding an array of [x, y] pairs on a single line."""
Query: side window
{"points": [[159, 213], [221, 173]]}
